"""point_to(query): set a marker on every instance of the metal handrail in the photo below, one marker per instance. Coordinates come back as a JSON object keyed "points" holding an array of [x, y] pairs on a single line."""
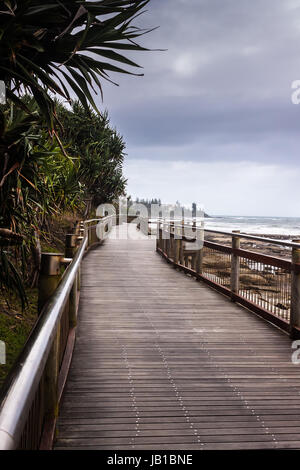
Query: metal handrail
{"points": [[20, 391]]}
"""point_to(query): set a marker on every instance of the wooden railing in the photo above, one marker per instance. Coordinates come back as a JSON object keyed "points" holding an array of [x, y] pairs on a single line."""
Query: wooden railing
{"points": [[31, 394], [266, 285]]}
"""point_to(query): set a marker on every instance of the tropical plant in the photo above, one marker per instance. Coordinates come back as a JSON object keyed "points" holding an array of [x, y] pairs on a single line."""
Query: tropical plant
{"points": [[49, 50], [56, 47], [99, 148], [44, 182]]}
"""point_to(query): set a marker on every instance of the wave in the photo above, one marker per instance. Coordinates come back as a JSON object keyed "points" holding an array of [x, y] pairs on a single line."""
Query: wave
{"points": [[261, 225]]}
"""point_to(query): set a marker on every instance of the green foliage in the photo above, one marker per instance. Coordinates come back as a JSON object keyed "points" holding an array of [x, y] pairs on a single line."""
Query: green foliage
{"points": [[10, 280], [38, 180], [15, 327], [41, 179], [100, 150], [49, 50], [61, 46]]}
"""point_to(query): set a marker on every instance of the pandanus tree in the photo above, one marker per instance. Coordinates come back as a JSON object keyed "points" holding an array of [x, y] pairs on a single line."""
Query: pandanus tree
{"points": [[100, 148], [51, 49], [43, 184], [64, 47]]}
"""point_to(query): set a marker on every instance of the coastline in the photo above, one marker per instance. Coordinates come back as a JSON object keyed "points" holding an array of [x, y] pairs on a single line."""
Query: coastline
{"points": [[266, 248]]}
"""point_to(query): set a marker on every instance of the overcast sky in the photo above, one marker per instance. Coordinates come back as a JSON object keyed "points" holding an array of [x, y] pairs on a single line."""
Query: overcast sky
{"points": [[212, 120]]}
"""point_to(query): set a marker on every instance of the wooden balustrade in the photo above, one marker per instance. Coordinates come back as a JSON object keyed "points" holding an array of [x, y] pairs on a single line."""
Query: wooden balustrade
{"points": [[31, 395], [196, 263]]}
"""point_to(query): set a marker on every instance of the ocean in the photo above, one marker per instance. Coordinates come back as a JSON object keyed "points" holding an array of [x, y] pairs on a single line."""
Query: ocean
{"points": [[285, 226]]}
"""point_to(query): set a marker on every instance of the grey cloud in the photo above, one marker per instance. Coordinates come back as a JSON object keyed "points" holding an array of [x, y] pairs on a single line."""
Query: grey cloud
{"points": [[169, 122], [223, 82]]}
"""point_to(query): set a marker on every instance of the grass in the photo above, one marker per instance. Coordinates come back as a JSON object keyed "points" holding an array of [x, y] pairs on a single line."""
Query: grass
{"points": [[15, 327], [15, 324]]}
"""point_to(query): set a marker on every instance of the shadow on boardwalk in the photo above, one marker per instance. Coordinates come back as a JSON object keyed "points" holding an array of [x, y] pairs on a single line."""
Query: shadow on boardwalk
{"points": [[164, 362]]}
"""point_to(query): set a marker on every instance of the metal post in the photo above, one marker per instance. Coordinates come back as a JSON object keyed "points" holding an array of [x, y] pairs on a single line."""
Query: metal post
{"points": [[235, 264], [295, 293], [50, 275]]}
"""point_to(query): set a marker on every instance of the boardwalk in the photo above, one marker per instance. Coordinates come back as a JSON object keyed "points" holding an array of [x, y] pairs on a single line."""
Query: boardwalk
{"points": [[165, 362]]}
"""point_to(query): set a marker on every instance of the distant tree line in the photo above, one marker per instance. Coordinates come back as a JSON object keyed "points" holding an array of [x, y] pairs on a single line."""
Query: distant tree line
{"points": [[191, 212], [148, 202]]}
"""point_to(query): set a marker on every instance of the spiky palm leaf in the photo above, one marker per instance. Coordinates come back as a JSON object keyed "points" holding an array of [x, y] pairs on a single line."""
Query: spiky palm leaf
{"points": [[60, 46], [101, 150]]}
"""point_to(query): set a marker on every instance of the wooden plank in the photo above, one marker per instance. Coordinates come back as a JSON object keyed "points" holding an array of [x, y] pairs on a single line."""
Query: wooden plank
{"points": [[162, 361]]}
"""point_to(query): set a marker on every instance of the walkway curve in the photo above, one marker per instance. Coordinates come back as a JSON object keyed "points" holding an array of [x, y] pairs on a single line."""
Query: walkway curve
{"points": [[164, 362]]}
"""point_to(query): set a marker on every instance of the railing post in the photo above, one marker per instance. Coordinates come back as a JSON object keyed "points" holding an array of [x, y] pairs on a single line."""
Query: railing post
{"points": [[50, 275], [81, 236], [91, 234], [194, 255], [199, 254], [164, 240], [49, 278], [73, 304], [295, 293], [51, 378], [181, 247], [158, 235], [70, 249], [172, 239], [167, 241], [235, 265], [176, 246], [70, 245], [78, 240]]}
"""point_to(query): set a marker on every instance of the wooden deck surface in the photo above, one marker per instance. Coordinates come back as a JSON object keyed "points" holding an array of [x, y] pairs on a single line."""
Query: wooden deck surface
{"points": [[164, 362]]}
